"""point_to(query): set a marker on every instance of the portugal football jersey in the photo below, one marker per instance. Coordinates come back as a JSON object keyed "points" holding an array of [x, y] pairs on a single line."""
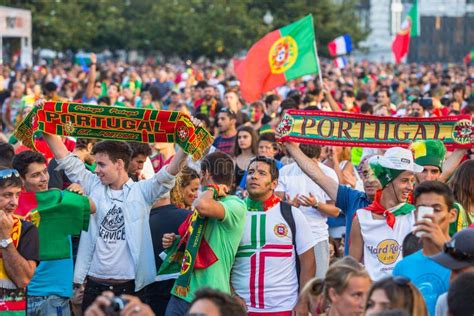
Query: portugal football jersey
{"points": [[264, 272]]}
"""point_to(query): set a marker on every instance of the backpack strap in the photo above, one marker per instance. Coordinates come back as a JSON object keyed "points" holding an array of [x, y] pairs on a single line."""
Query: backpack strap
{"points": [[287, 214]]}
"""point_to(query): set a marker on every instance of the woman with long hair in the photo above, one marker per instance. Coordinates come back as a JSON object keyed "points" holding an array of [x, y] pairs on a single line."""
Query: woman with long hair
{"points": [[395, 293], [186, 188], [342, 293], [245, 148], [462, 184]]}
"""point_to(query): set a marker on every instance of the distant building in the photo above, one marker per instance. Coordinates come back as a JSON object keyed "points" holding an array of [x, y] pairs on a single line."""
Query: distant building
{"points": [[15, 36], [447, 31]]}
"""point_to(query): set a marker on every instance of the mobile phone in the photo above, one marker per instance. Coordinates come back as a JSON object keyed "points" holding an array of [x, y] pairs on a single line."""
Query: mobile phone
{"points": [[420, 215]]}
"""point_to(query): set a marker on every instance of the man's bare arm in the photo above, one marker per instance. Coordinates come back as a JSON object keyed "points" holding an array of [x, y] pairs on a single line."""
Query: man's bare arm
{"points": [[92, 76], [56, 145], [207, 206], [313, 171], [18, 269], [356, 247]]}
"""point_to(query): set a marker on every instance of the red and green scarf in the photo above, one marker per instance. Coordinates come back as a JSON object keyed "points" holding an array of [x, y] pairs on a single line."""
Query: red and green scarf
{"points": [[357, 130], [377, 208], [189, 251], [115, 123], [259, 206], [12, 301]]}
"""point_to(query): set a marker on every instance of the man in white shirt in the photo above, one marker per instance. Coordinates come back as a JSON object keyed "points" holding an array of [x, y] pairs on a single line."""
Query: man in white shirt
{"points": [[313, 202], [114, 254], [276, 236]]}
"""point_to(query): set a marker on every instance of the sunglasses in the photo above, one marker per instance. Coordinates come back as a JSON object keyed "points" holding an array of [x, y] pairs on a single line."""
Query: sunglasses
{"points": [[8, 173], [228, 111], [451, 250]]}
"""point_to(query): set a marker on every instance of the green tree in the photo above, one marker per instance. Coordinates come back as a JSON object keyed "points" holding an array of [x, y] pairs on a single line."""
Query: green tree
{"points": [[184, 28]]}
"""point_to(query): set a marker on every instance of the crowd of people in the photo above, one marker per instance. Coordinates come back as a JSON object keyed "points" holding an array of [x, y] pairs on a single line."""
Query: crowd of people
{"points": [[284, 228]]}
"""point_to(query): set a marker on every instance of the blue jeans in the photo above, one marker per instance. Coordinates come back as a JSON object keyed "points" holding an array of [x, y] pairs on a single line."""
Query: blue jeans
{"points": [[177, 307], [52, 305]]}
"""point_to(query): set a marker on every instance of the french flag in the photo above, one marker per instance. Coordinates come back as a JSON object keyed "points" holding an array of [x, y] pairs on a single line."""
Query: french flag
{"points": [[340, 46], [340, 62]]}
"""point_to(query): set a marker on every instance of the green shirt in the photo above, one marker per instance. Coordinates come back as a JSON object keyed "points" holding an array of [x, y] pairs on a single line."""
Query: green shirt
{"points": [[223, 236]]}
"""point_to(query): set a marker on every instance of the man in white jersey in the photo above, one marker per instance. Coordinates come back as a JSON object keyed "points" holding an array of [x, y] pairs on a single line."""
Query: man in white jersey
{"points": [[265, 274], [378, 230], [114, 254]]}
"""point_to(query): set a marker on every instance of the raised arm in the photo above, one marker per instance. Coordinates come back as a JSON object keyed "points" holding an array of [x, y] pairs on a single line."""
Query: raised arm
{"points": [[207, 206], [177, 162], [332, 103], [313, 171], [56, 145], [450, 165], [92, 77]]}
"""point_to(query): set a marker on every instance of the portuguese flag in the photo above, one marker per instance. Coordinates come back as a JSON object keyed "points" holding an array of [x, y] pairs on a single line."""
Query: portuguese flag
{"points": [[57, 214], [280, 56], [410, 28]]}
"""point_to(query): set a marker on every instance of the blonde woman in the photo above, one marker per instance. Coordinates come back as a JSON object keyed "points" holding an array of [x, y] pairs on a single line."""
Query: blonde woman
{"points": [[342, 293], [186, 188]]}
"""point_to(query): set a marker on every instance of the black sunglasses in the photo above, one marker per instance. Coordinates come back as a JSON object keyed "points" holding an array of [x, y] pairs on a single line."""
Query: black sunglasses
{"points": [[451, 250]]}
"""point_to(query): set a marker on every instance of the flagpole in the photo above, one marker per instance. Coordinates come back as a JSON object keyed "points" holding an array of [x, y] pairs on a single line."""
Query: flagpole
{"points": [[319, 65]]}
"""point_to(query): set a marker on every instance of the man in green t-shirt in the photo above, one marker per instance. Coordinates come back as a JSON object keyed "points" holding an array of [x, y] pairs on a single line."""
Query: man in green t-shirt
{"points": [[225, 216]]}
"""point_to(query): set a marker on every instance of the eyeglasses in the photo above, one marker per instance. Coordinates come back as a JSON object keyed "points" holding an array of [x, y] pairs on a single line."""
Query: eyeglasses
{"points": [[450, 249], [8, 173]]}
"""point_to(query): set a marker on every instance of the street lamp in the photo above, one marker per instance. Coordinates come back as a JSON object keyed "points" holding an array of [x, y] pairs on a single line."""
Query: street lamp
{"points": [[268, 18]]}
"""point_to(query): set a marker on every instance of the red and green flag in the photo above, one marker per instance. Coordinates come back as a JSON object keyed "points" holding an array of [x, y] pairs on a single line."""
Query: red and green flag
{"points": [[57, 214], [280, 56], [410, 28], [469, 57]]}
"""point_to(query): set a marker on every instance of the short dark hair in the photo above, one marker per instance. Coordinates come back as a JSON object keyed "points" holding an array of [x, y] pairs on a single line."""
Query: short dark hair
{"points": [[205, 119], [349, 93], [435, 187], [288, 104], [270, 98], [231, 114], [274, 172], [367, 108], [12, 180], [6, 154], [50, 87], [226, 304], [115, 150], [23, 160], [460, 302], [139, 149], [220, 166], [81, 143], [310, 150], [410, 245], [268, 137], [105, 99]]}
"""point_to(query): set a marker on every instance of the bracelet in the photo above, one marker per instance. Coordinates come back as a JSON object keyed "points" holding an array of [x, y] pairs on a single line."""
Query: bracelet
{"points": [[214, 188], [92, 64], [316, 204]]}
